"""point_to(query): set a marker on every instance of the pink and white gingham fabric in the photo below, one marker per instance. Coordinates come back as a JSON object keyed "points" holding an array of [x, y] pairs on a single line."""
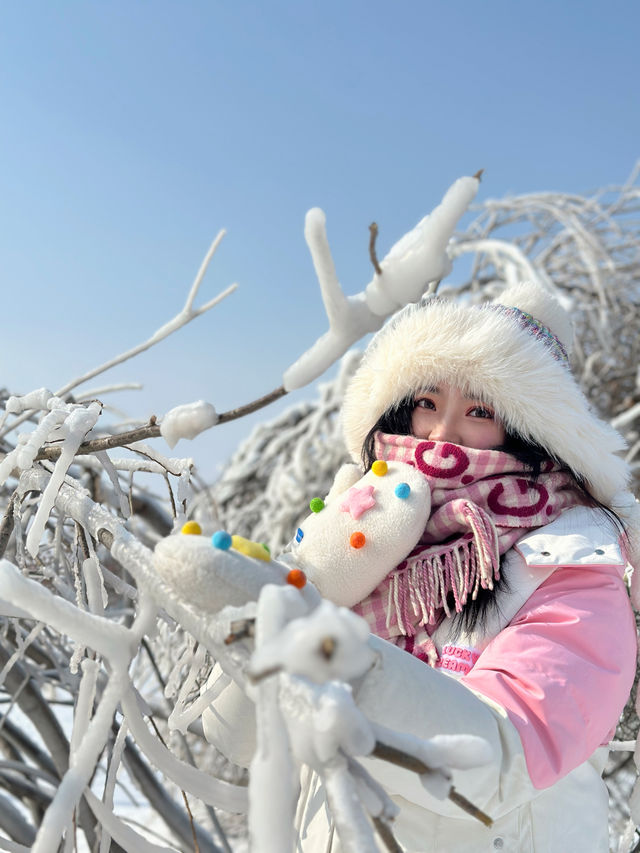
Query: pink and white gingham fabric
{"points": [[483, 501]]}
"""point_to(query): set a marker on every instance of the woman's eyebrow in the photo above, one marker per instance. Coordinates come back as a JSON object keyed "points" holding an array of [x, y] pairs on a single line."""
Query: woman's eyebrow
{"points": [[480, 400]]}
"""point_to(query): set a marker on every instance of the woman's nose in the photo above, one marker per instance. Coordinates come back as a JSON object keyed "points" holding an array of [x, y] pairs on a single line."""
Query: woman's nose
{"points": [[444, 430]]}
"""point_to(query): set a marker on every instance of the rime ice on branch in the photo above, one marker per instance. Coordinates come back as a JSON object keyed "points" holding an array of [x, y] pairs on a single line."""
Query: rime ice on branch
{"points": [[115, 633], [419, 258], [187, 421]]}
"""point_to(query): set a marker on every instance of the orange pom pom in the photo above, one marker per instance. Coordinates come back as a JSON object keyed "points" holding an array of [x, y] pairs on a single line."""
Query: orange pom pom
{"points": [[379, 467], [297, 578], [357, 539]]}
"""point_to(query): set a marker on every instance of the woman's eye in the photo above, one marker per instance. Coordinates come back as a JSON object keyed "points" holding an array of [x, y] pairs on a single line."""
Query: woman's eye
{"points": [[425, 403], [481, 412]]}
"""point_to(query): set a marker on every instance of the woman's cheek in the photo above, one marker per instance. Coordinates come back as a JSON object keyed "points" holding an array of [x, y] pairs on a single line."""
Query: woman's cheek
{"points": [[420, 423]]}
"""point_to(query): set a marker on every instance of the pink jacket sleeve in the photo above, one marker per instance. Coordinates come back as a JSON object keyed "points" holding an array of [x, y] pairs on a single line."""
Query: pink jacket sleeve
{"points": [[563, 668]]}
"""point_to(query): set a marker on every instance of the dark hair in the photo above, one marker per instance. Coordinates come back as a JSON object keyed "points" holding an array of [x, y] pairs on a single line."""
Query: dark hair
{"points": [[397, 421]]}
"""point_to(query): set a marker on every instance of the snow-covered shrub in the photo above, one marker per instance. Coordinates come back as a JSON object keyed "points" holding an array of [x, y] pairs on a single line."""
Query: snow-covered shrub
{"points": [[101, 664]]}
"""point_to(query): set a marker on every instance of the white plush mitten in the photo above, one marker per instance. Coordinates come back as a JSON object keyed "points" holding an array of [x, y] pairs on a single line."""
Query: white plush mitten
{"points": [[212, 572], [351, 541]]}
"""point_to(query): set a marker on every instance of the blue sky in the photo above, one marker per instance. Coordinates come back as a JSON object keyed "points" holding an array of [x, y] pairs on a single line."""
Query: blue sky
{"points": [[132, 132]]}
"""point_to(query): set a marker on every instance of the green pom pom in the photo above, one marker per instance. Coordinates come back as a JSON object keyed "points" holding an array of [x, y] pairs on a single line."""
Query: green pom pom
{"points": [[316, 504]]}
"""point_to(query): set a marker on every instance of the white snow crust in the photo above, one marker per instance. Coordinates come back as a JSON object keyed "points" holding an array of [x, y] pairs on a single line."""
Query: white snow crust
{"points": [[187, 421]]}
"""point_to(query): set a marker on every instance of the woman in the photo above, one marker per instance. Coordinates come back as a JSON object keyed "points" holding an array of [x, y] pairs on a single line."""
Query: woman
{"points": [[515, 588]]}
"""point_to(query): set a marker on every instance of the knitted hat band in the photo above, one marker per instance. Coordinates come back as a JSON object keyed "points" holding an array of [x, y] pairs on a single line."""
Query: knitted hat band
{"points": [[536, 328]]}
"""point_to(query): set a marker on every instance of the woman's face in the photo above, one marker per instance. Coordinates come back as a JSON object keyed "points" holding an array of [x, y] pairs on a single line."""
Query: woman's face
{"points": [[443, 414]]}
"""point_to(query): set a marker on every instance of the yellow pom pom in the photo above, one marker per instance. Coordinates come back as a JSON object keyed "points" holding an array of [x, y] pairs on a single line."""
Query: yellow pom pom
{"points": [[379, 468], [191, 527], [249, 548]]}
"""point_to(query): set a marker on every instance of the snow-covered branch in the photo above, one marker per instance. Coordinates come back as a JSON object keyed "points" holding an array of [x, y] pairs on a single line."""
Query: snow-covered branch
{"points": [[419, 258], [184, 316]]}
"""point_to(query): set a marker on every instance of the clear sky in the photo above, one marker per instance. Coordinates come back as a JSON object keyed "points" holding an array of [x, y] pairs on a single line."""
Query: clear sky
{"points": [[132, 132]]}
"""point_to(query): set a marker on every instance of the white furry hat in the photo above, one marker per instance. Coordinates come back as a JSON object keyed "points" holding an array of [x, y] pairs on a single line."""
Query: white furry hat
{"points": [[511, 353]]}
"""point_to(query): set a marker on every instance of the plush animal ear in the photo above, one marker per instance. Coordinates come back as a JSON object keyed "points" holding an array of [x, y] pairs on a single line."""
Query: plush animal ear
{"points": [[347, 475], [351, 542]]}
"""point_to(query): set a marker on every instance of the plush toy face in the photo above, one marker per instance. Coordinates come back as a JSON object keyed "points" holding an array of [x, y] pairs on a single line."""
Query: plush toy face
{"points": [[349, 544]]}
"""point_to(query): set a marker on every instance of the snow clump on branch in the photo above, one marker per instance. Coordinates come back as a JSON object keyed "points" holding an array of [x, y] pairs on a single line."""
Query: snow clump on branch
{"points": [[187, 421]]}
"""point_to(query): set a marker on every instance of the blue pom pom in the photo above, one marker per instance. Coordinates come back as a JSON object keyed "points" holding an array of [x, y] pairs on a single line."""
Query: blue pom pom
{"points": [[402, 490], [221, 539], [299, 534]]}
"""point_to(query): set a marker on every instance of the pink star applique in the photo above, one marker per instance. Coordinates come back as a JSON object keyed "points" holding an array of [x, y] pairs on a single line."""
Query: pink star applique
{"points": [[358, 500]]}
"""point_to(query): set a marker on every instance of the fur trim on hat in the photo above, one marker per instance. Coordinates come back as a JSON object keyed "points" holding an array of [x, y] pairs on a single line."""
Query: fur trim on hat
{"points": [[488, 355]]}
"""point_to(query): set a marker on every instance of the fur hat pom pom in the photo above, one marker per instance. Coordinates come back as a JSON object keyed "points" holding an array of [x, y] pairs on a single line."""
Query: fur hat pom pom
{"points": [[542, 304]]}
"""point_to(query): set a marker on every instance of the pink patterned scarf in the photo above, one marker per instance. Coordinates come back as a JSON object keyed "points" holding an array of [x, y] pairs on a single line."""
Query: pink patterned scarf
{"points": [[483, 501]]}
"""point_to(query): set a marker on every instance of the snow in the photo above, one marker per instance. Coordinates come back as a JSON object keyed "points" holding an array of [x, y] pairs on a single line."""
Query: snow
{"points": [[110, 469], [37, 399], [124, 835], [421, 255], [187, 421], [75, 427], [271, 818], [304, 661], [306, 653], [322, 721], [328, 644], [419, 258], [28, 444], [216, 792]]}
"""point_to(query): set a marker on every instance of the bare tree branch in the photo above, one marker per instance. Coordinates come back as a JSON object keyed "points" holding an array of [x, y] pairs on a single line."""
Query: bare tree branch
{"points": [[152, 430], [14, 823], [373, 236], [176, 819]]}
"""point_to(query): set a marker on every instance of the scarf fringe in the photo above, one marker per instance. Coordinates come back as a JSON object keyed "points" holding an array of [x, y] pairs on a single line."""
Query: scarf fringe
{"points": [[477, 515], [423, 587]]}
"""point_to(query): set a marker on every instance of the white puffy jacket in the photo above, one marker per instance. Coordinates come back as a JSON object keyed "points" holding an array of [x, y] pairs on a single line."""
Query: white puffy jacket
{"points": [[548, 680]]}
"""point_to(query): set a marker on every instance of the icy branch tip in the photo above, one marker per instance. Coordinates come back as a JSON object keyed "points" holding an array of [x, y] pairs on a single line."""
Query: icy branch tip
{"points": [[314, 222], [33, 400], [187, 421]]}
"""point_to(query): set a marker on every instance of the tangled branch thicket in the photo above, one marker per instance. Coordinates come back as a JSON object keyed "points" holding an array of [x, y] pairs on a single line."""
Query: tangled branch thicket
{"points": [[103, 655]]}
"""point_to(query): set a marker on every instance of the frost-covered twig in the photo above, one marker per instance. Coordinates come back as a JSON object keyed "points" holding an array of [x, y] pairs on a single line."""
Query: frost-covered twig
{"points": [[39, 712], [410, 762], [6, 526], [96, 445], [13, 822], [271, 820], [153, 429], [184, 316], [95, 393]]}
